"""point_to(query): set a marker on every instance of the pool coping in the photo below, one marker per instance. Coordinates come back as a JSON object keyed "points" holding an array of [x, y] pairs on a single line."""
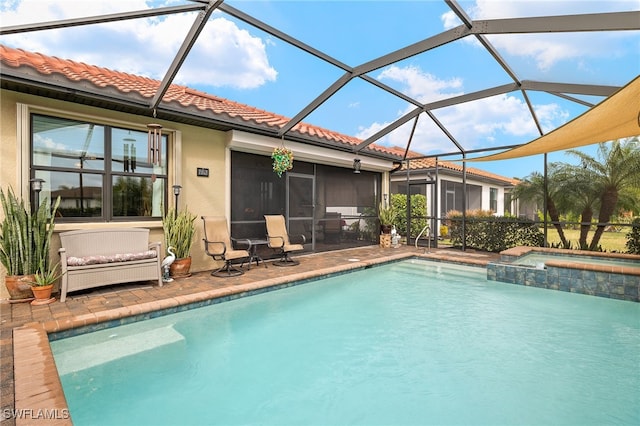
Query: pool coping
{"points": [[39, 396], [613, 269]]}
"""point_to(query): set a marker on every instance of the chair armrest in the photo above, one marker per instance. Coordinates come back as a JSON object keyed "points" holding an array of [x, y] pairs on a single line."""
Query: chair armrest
{"points": [[63, 259], [243, 241], [302, 237], [274, 244], [155, 246], [206, 247]]}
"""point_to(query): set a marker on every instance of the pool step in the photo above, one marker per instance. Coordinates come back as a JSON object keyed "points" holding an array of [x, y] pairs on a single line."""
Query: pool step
{"points": [[76, 359], [431, 269]]}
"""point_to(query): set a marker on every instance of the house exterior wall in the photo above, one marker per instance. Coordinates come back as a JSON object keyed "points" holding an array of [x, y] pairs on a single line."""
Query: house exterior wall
{"points": [[189, 148]]}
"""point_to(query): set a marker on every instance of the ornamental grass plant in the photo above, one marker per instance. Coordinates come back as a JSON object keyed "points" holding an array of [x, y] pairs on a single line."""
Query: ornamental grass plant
{"points": [[25, 237], [178, 231]]}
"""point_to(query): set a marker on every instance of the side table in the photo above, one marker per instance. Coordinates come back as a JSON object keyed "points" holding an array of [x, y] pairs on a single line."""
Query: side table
{"points": [[253, 255]]}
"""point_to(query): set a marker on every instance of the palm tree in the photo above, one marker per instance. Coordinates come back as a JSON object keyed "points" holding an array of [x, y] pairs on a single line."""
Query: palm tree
{"points": [[579, 195], [615, 173], [531, 189]]}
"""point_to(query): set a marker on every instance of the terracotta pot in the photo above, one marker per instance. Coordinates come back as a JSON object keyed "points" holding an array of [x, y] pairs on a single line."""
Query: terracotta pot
{"points": [[180, 268], [19, 287], [42, 294]]}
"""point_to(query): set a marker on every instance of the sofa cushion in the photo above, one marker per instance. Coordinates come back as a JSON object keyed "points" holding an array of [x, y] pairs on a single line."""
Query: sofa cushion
{"points": [[111, 258]]}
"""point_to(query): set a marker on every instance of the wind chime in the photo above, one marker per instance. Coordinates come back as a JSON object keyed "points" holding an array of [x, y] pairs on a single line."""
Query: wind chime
{"points": [[154, 152]]}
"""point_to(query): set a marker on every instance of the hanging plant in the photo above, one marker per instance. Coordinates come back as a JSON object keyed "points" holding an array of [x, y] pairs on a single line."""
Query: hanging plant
{"points": [[282, 160]]}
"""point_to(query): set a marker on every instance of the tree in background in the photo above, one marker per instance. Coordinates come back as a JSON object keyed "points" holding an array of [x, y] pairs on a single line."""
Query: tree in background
{"points": [[577, 195], [615, 176], [604, 184], [531, 189]]}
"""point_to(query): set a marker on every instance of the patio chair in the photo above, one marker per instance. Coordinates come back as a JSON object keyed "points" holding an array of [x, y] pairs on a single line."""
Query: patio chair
{"points": [[220, 246], [333, 227], [278, 238]]}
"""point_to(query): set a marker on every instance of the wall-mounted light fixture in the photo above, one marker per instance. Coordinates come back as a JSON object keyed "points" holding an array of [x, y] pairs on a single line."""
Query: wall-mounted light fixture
{"points": [[176, 192], [356, 165]]}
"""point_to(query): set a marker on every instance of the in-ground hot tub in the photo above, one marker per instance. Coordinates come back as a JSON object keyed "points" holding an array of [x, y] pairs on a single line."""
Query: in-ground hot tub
{"points": [[613, 275]]}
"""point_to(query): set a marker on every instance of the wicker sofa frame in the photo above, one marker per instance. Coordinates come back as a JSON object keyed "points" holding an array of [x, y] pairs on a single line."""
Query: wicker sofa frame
{"points": [[107, 242]]}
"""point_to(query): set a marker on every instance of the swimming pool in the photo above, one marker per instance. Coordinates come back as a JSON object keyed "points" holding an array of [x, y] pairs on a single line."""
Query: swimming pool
{"points": [[414, 342]]}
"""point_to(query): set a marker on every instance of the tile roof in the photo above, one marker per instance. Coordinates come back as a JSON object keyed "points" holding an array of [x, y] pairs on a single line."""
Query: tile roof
{"points": [[420, 163], [205, 102], [182, 95]]}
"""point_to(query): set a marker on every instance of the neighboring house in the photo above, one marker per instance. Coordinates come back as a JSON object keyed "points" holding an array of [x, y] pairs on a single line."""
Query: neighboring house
{"points": [[442, 183]]}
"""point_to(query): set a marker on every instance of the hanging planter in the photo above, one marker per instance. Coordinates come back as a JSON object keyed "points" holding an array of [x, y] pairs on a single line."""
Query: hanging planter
{"points": [[282, 160]]}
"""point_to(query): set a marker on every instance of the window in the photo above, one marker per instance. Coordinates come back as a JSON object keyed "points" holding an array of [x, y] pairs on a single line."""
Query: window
{"points": [[452, 195], [493, 199], [101, 173], [507, 203]]}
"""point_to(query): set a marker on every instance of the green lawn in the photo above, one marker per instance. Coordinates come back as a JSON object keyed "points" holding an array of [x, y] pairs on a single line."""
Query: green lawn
{"points": [[610, 241]]}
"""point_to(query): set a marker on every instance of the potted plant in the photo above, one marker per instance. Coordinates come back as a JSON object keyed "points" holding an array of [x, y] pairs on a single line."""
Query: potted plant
{"points": [[25, 238], [179, 229], [386, 215], [282, 160], [42, 284]]}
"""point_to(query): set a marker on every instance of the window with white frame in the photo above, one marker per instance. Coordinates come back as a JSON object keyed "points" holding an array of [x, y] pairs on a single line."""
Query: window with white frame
{"points": [[100, 172], [493, 199]]}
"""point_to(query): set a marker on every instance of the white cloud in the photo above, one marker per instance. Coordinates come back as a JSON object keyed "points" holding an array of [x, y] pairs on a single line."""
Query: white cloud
{"points": [[473, 124], [546, 50], [223, 54], [228, 56], [49, 143], [421, 85]]}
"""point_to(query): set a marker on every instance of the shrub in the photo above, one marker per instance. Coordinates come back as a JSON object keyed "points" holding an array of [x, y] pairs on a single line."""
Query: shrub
{"points": [[633, 237], [418, 208], [493, 233]]}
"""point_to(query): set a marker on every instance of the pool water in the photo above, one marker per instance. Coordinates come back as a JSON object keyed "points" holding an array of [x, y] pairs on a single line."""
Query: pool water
{"points": [[412, 342], [535, 259]]}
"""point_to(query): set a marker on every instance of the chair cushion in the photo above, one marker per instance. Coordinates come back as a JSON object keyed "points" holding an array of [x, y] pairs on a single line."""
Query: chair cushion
{"points": [[293, 247], [112, 258]]}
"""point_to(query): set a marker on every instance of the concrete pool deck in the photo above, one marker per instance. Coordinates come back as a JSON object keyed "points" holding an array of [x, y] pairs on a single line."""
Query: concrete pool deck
{"points": [[31, 392]]}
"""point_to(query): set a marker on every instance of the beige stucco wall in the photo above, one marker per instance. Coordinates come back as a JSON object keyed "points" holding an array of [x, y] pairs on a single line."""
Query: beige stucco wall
{"points": [[190, 147]]}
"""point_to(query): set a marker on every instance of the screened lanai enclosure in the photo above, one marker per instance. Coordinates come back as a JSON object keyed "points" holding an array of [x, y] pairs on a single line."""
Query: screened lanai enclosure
{"points": [[442, 81]]}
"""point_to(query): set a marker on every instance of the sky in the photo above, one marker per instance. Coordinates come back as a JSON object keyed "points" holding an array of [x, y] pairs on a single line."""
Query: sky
{"points": [[234, 60]]}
